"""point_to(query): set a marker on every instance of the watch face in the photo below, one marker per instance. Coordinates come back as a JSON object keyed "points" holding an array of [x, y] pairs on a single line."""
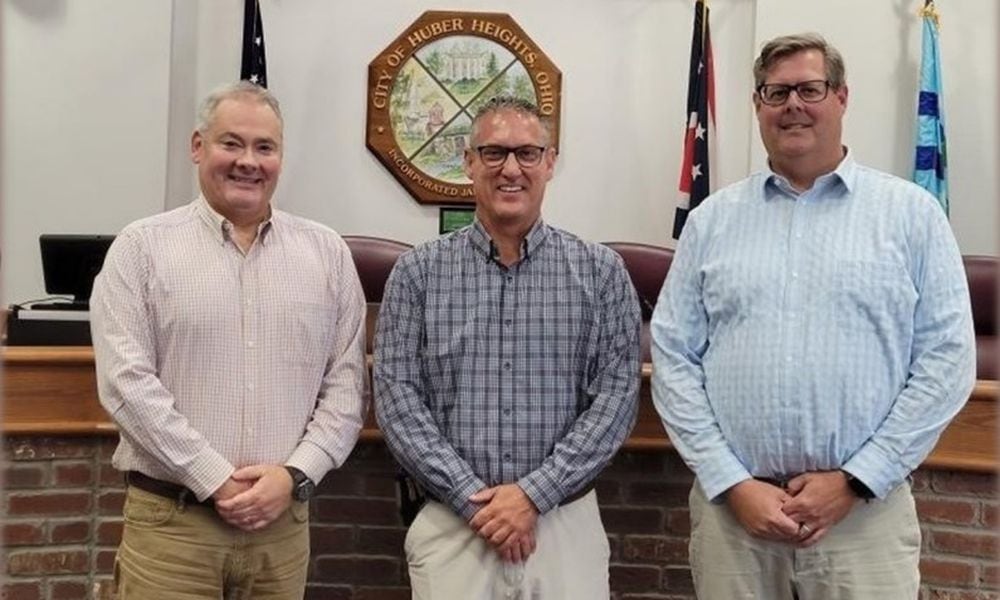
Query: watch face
{"points": [[304, 490]]}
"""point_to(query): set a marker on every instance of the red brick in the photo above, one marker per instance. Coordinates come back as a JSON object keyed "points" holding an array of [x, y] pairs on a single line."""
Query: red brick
{"points": [[609, 492], [69, 532], [991, 516], [358, 511], [41, 448], [24, 475], [109, 477], [951, 512], [56, 503], [104, 561], [679, 522], [104, 589], [382, 593], [111, 503], [970, 484], [966, 543], [657, 493], [37, 562], [109, 532], [68, 590], [73, 474], [22, 590], [655, 549], [634, 578], [341, 483], [386, 541], [990, 576], [331, 539], [22, 534], [632, 520], [947, 572], [328, 592], [960, 595], [678, 579], [363, 571], [921, 480], [380, 486]]}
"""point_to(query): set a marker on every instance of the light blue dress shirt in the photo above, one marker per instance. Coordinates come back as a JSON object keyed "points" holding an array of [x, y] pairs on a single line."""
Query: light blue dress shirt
{"points": [[815, 331]]}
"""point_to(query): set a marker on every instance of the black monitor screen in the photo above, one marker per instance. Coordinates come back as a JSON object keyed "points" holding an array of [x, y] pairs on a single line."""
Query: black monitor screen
{"points": [[70, 262]]}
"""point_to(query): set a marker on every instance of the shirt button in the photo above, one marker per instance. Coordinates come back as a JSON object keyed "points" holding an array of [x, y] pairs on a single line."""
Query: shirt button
{"points": [[510, 278], [251, 344], [249, 302], [795, 274], [507, 321], [506, 457], [788, 359], [506, 412], [506, 365], [250, 386]]}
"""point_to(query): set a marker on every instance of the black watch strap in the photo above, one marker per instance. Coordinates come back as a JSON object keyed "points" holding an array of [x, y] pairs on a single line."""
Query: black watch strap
{"points": [[858, 487], [302, 486]]}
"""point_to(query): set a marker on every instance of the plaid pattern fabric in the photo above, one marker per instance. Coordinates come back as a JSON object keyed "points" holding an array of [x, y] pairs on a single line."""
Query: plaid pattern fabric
{"points": [[487, 375], [813, 331], [208, 359]]}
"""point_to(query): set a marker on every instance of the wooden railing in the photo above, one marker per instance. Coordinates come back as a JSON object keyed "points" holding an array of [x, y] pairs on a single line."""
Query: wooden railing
{"points": [[53, 391]]}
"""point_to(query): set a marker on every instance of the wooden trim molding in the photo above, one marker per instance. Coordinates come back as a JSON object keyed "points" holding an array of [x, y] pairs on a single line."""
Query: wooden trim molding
{"points": [[53, 391]]}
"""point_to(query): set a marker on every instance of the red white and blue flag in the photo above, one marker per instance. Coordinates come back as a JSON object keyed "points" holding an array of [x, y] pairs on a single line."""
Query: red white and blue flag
{"points": [[700, 132]]}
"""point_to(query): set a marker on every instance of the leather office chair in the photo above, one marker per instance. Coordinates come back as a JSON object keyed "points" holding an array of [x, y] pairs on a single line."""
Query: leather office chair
{"points": [[982, 272], [374, 258], [647, 266]]}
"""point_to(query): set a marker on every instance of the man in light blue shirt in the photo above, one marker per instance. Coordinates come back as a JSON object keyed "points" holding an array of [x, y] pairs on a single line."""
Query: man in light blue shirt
{"points": [[813, 339]]}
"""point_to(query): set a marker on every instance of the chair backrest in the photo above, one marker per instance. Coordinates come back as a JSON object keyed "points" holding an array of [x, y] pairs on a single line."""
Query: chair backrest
{"points": [[982, 272], [374, 258], [647, 265]]}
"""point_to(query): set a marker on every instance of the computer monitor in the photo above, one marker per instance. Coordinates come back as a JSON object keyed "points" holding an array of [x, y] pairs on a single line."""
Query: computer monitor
{"points": [[70, 262]]}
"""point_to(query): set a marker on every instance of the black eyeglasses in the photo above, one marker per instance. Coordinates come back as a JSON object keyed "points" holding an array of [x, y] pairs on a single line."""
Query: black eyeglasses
{"points": [[527, 156], [776, 94]]}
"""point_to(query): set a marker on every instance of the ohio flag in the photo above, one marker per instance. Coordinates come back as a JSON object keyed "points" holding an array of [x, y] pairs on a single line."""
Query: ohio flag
{"points": [[694, 184]]}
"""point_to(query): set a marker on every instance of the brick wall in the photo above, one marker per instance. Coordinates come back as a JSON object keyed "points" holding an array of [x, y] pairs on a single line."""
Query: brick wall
{"points": [[62, 502]]}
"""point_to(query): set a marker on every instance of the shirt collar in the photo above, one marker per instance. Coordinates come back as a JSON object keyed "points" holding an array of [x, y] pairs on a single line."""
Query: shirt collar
{"points": [[844, 175], [482, 241], [221, 227]]}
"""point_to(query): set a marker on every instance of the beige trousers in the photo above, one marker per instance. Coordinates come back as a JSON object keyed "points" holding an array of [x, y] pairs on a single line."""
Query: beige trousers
{"points": [[448, 561], [190, 553], [873, 554]]}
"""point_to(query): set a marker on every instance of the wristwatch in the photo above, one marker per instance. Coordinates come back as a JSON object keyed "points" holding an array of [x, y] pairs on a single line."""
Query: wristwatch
{"points": [[302, 486], [858, 487]]}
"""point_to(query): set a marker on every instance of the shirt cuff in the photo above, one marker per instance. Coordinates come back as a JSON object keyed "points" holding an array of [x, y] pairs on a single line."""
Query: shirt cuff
{"points": [[718, 474], [207, 473], [543, 491], [459, 501], [311, 460], [875, 470]]}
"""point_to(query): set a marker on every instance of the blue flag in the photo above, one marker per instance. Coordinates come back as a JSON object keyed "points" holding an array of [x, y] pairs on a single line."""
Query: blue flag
{"points": [[931, 167]]}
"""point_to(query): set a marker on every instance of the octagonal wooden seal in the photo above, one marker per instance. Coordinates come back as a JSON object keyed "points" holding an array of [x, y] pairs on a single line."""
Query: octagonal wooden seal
{"points": [[426, 86]]}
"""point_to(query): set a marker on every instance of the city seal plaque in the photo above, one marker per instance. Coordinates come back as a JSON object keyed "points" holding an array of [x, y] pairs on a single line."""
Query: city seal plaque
{"points": [[426, 86]]}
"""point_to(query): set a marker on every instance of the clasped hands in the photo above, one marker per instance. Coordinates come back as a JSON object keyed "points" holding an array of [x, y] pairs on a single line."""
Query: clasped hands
{"points": [[801, 514], [253, 497], [506, 521]]}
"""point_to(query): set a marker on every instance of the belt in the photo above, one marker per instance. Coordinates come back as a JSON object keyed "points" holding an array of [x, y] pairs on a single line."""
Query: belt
{"points": [[165, 489], [776, 482]]}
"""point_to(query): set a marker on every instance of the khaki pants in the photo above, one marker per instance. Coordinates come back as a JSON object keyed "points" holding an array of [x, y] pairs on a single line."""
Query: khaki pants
{"points": [[448, 561], [190, 553], [873, 554]]}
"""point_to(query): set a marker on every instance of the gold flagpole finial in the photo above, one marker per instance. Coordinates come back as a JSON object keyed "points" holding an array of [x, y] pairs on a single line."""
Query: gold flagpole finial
{"points": [[929, 10]]}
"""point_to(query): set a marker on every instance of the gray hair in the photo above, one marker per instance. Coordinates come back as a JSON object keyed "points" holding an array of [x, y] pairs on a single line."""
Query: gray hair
{"points": [[786, 45], [241, 90], [513, 103]]}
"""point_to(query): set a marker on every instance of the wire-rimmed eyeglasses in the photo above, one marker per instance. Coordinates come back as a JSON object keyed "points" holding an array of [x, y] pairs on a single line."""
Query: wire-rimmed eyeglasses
{"points": [[527, 156], [776, 94]]}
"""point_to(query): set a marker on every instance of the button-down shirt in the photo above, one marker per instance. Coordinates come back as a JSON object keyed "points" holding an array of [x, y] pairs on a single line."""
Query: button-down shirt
{"points": [[486, 374], [210, 360], [815, 331]]}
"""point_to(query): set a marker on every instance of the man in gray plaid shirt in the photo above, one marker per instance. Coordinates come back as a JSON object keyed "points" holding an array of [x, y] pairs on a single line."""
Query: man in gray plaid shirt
{"points": [[506, 377]]}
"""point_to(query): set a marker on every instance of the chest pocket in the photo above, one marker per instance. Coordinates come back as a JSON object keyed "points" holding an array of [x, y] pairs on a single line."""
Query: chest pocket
{"points": [[872, 296]]}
